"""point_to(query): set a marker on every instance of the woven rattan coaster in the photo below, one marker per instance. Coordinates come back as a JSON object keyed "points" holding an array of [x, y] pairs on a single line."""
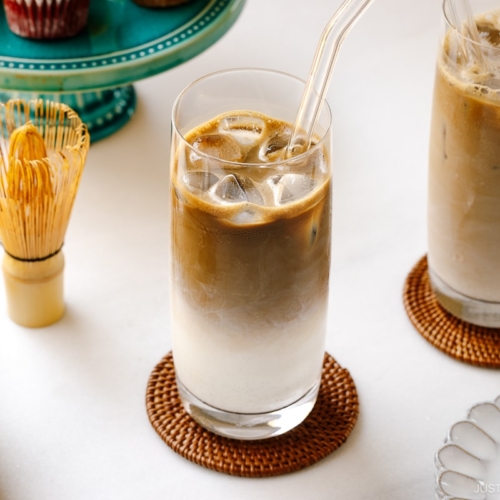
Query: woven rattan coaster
{"points": [[324, 430], [472, 344]]}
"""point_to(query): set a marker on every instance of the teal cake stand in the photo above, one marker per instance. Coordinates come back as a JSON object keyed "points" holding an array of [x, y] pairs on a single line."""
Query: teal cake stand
{"points": [[93, 72]]}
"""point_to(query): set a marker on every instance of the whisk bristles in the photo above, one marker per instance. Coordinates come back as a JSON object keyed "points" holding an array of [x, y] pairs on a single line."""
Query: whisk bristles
{"points": [[43, 147]]}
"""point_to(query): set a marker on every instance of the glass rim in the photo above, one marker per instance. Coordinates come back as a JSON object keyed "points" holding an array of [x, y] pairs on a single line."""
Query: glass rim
{"points": [[452, 26], [284, 161]]}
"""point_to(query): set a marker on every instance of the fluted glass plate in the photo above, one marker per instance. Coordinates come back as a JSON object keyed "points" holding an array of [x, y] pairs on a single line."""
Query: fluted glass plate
{"points": [[468, 463]]}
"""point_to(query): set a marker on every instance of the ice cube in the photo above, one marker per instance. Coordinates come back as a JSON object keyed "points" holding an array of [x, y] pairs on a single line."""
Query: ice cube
{"points": [[290, 187], [218, 146], [246, 130], [178, 195], [489, 32], [236, 188], [314, 164], [245, 217], [199, 180], [274, 148]]}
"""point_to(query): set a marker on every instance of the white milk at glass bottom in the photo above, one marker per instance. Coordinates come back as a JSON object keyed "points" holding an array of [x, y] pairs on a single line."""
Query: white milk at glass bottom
{"points": [[247, 371]]}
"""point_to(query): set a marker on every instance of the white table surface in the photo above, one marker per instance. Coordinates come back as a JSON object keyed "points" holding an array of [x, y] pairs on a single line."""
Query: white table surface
{"points": [[73, 423]]}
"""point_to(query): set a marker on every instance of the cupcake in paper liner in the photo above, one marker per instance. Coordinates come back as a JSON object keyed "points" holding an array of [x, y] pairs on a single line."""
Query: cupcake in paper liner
{"points": [[46, 19]]}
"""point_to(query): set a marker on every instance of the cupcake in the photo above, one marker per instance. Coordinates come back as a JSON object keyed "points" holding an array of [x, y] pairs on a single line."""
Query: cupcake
{"points": [[159, 3], [46, 19]]}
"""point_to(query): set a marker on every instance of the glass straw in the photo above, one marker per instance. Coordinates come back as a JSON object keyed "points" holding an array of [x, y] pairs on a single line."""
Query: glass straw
{"points": [[461, 9], [321, 72]]}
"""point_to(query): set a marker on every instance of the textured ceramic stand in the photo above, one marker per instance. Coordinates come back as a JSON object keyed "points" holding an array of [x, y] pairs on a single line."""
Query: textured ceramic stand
{"points": [[122, 43], [103, 111]]}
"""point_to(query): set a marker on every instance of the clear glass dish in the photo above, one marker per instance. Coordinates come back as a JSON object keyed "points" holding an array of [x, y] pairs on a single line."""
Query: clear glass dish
{"points": [[468, 463]]}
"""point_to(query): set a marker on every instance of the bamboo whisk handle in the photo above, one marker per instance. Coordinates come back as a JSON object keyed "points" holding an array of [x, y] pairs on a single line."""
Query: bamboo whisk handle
{"points": [[35, 295]]}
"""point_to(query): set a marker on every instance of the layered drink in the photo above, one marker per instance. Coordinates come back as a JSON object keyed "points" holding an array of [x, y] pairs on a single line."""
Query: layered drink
{"points": [[250, 234], [464, 176]]}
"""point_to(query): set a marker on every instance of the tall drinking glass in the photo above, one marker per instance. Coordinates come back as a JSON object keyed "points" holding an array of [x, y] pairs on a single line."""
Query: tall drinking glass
{"points": [[464, 168], [250, 254]]}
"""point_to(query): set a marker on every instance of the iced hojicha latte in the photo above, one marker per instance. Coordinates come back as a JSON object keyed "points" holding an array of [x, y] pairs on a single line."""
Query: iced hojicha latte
{"points": [[464, 178], [250, 264]]}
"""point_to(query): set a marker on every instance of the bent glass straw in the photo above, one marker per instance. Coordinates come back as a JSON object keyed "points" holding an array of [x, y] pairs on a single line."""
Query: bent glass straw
{"points": [[461, 9], [321, 72]]}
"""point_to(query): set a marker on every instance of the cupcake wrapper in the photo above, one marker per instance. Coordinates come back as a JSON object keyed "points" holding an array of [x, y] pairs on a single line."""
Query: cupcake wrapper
{"points": [[46, 19]]}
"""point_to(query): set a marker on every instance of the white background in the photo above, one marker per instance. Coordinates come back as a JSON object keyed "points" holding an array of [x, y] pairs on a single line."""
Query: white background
{"points": [[73, 422]]}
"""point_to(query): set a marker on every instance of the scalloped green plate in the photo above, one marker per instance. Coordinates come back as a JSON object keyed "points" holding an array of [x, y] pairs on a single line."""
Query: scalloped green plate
{"points": [[122, 43]]}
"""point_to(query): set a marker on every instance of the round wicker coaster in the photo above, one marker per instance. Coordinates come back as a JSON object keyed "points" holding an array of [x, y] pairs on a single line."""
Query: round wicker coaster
{"points": [[472, 344], [324, 430]]}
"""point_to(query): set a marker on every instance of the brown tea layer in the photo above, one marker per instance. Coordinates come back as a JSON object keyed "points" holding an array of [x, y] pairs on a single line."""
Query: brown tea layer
{"points": [[476, 345], [325, 429]]}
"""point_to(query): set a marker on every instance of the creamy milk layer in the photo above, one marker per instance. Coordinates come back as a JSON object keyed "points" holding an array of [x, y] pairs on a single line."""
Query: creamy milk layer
{"points": [[254, 368], [250, 263], [464, 170]]}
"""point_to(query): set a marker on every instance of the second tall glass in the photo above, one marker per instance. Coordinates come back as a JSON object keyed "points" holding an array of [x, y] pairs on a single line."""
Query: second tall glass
{"points": [[464, 168]]}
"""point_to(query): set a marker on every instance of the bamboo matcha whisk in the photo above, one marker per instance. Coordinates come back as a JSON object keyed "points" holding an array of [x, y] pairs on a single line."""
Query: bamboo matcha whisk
{"points": [[43, 147]]}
